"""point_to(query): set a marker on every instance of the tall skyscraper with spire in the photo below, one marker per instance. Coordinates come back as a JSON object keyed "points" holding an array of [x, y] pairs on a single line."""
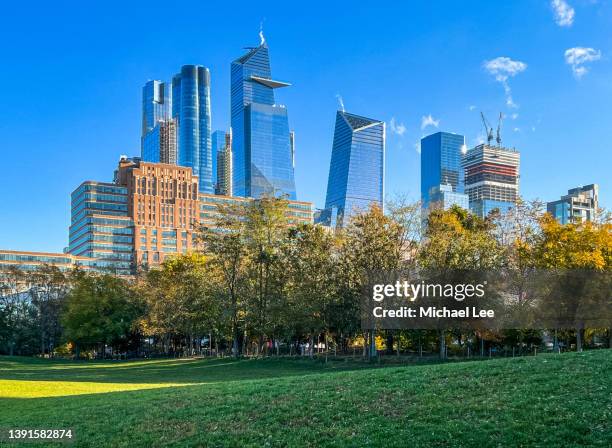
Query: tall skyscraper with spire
{"points": [[357, 168], [191, 110], [261, 141]]}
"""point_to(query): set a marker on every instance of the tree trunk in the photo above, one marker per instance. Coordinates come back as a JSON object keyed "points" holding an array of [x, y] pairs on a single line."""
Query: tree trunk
{"points": [[442, 343], [373, 352], [579, 334]]}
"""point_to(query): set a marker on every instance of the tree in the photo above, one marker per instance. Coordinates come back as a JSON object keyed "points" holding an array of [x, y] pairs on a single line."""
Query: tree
{"points": [[518, 232], [568, 248], [265, 232], [457, 241], [100, 309], [370, 246], [179, 300], [48, 289], [19, 331], [227, 250], [309, 259]]}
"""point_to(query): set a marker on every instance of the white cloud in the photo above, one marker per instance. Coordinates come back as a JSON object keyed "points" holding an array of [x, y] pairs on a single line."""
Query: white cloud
{"points": [[340, 101], [514, 116], [396, 128], [517, 129], [504, 68], [417, 146], [577, 57], [472, 107], [428, 120], [564, 13]]}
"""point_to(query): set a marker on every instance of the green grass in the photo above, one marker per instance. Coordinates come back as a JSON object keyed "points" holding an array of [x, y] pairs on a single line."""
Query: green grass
{"points": [[548, 400]]}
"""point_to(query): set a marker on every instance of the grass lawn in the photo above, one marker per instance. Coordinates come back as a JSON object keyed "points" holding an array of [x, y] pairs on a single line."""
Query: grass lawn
{"points": [[548, 400]]}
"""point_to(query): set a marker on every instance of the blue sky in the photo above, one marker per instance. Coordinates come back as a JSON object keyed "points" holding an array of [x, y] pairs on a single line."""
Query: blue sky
{"points": [[72, 74]]}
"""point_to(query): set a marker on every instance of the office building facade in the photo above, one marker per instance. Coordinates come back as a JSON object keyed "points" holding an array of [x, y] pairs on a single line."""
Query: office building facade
{"points": [[443, 197], [580, 204], [261, 142], [491, 178], [357, 168], [100, 226], [162, 201], [191, 110], [442, 176]]}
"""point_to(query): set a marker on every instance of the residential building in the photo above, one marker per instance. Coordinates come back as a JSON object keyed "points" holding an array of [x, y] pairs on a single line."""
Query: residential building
{"points": [[580, 204], [357, 168], [442, 176], [491, 178], [224, 167], [191, 110], [261, 143]]}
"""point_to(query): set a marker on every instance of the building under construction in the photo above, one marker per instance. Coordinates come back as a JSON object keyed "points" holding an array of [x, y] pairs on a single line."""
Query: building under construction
{"points": [[491, 178]]}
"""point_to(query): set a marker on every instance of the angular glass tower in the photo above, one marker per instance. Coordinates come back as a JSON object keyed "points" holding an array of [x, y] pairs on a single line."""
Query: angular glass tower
{"points": [[261, 143], [191, 110], [357, 168], [442, 176]]}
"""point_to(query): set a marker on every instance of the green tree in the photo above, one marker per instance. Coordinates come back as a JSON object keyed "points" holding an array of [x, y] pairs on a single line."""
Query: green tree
{"points": [[100, 309], [48, 288], [179, 300], [228, 254], [457, 241], [266, 235], [371, 245], [310, 261]]}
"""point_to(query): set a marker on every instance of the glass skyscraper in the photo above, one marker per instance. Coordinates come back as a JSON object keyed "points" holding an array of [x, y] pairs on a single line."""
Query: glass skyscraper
{"points": [[158, 138], [191, 110], [261, 143], [442, 176], [155, 104], [218, 145], [357, 168]]}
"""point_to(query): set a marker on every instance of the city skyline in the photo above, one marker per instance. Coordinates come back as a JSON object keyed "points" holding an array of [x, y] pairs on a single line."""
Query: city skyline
{"points": [[558, 105]]}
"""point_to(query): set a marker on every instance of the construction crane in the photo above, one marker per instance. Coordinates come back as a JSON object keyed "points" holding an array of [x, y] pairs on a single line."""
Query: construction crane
{"points": [[488, 128], [499, 125]]}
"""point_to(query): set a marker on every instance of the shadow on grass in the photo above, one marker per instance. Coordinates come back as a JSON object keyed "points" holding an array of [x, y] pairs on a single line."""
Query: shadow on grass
{"points": [[165, 370]]}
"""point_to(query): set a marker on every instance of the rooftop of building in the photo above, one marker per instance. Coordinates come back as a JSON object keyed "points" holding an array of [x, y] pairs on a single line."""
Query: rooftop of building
{"points": [[358, 122]]}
